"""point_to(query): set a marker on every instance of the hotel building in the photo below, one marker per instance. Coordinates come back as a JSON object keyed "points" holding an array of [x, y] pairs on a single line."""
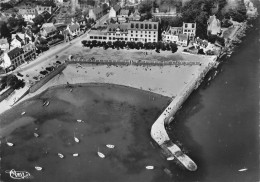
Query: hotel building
{"points": [[133, 31]]}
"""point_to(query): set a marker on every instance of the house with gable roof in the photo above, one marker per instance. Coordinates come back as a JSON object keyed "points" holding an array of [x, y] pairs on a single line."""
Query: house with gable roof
{"points": [[48, 30], [74, 29], [4, 45], [171, 34], [183, 39]]}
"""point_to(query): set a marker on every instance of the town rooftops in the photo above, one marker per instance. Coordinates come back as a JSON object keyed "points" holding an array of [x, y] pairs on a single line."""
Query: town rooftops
{"points": [[28, 47], [15, 52]]}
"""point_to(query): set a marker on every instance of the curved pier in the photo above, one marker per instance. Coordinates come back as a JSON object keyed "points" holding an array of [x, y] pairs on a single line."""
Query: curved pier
{"points": [[158, 131]]}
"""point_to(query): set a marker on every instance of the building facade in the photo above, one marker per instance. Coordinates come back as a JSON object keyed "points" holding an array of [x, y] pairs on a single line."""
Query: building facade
{"points": [[132, 31], [189, 29]]}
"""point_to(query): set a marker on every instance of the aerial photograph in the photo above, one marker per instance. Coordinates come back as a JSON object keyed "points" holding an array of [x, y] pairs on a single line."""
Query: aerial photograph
{"points": [[130, 90]]}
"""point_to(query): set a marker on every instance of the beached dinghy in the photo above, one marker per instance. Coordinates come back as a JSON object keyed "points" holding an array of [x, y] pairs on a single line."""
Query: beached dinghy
{"points": [[170, 158], [9, 144], [71, 90], [75, 155], [60, 155], [110, 146], [38, 168], [101, 155], [241, 170], [36, 135], [149, 167], [23, 113], [79, 120]]}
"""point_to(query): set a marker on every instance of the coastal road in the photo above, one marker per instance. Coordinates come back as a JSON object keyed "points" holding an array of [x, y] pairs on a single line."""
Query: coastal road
{"points": [[49, 55]]}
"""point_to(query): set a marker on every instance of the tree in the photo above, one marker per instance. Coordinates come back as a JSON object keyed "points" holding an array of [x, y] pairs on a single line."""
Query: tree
{"points": [[145, 7], [4, 32]]}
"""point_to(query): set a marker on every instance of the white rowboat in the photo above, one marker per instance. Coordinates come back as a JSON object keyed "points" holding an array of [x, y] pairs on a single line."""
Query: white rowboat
{"points": [[75, 155], [23, 113], [101, 155], [36, 135], [38, 168], [9, 144], [110, 146], [149, 167], [241, 170], [60, 155], [170, 158], [79, 120]]}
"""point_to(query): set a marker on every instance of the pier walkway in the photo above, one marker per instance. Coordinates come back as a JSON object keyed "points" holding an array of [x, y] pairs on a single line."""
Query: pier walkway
{"points": [[158, 131]]}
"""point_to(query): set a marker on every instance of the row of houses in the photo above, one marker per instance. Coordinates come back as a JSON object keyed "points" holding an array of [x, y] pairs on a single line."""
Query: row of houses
{"points": [[131, 31], [17, 56]]}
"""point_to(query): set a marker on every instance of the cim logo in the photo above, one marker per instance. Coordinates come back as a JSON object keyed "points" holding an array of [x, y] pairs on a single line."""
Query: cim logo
{"points": [[18, 174]]}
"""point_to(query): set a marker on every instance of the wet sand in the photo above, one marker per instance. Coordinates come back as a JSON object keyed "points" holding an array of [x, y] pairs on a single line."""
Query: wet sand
{"points": [[112, 115]]}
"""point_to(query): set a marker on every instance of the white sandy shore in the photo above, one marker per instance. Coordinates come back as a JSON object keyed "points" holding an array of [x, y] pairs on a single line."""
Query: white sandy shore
{"points": [[167, 80]]}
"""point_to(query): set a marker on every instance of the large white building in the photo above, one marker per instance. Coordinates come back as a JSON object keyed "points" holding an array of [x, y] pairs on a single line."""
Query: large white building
{"points": [[132, 31]]}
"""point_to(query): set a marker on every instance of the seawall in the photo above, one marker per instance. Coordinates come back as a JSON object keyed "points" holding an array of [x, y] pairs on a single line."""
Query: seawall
{"points": [[44, 80], [158, 131]]}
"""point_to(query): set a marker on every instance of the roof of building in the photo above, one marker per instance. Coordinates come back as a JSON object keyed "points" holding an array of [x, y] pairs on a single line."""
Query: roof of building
{"points": [[43, 8], [48, 27], [74, 27], [124, 12], [214, 24], [28, 46], [122, 27], [97, 32], [183, 37], [15, 52], [3, 41], [116, 7]]}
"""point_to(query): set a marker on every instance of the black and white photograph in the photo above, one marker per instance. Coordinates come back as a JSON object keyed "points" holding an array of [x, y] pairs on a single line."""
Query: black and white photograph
{"points": [[129, 91]]}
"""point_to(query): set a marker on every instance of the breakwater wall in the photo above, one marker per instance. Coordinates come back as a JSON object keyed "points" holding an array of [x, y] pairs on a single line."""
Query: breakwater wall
{"points": [[132, 62], [44, 80], [158, 131]]}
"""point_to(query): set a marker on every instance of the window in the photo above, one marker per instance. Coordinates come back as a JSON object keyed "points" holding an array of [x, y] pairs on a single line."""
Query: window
{"points": [[131, 35], [136, 31], [154, 26], [193, 25], [142, 26], [137, 25], [109, 38], [188, 30], [146, 26], [125, 38], [114, 38], [150, 26], [131, 31], [132, 25]]}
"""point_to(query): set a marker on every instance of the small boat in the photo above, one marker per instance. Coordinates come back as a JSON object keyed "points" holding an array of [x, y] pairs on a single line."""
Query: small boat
{"points": [[75, 155], [170, 158], [76, 139], [38, 168], [36, 135], [9, 144], [60, 155], [101, 155], [71, 90], [243, 169], [47, 103], [79, 120], [149, 167], [110, 146], [23, 113]]}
